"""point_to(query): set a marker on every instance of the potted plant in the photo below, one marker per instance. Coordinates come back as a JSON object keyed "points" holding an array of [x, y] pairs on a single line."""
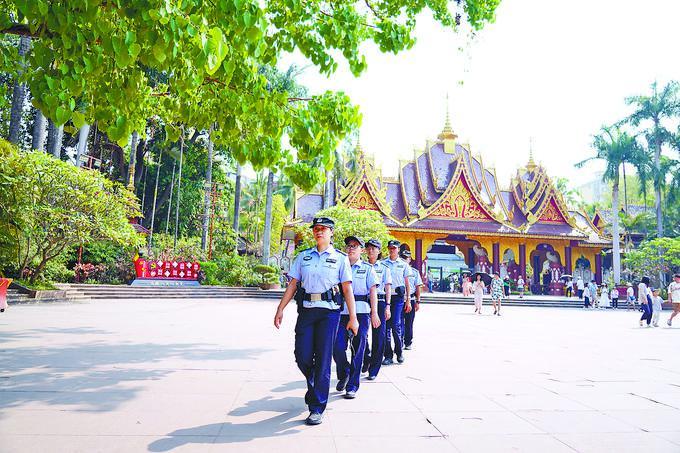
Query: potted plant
{"points": [[269, 276]]}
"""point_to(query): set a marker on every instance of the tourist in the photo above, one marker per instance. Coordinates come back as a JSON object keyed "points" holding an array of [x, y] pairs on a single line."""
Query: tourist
{"points": [[615, 297], [569, 287], [520, 287], [674, 297], [506, 286], [645, 300], [580, 287], [657, 306], [373, 361], [467, 286], [604, 297], [364, 283], [324, 275], [630, 296], [586, 296], [415, 282], [478, 291], [546, 283], [592, 293], [399, 304], [496, 293]]}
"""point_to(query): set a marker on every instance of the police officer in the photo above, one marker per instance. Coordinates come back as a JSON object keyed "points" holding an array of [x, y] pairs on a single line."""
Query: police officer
{"points": [[321, 270], [373, 361], [399, 304], [364, 286], [415, 282]]}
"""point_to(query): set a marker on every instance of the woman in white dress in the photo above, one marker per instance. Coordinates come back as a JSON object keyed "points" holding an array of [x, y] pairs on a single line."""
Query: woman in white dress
{"points": [[604, 297], [478, 291]]}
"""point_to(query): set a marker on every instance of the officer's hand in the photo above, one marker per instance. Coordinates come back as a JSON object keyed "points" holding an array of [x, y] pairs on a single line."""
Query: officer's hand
{"points": [[388, 313], [375, 320], [353, 325], [278, 318], [407, 307], [417, 306]]}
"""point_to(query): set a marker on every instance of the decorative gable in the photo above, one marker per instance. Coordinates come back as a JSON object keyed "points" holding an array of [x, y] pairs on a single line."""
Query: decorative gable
{"points": [[461, 204], [363, 200], [551, 213]]}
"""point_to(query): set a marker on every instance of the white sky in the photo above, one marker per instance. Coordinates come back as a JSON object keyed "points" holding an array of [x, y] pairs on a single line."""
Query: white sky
{"points": [[552, 70]]}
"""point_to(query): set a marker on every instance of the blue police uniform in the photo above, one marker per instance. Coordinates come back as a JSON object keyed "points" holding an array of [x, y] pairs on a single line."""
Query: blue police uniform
{"points": [[318, 319], [374, 359], [414, 280], [363, 279], [399, 270]]}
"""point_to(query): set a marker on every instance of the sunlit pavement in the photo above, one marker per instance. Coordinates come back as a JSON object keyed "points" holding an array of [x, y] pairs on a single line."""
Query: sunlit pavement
{"points": [[210, 375]]}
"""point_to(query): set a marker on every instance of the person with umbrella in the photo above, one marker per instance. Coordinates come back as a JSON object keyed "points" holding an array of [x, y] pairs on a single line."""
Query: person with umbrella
{"points": [[496, 293], [478, 290], [568, 284]]}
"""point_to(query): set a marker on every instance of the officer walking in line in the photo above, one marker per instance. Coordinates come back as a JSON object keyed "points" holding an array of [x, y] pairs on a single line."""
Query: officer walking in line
{"points": [[399, 304], [415, 282], [321, 271], [364, 286], [373, 360]]}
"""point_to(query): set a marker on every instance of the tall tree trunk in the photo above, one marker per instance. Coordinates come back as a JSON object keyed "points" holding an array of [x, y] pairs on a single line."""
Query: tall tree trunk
{"points": [[237, 198], [327, 190], [266, 243], [208, 191], [155, 197], [625, 190], [616, 250], [55, 136], [657, 183], [39, 123], [133, 158], [172, 186], [82, 143], [179, 187], [19, 94]]}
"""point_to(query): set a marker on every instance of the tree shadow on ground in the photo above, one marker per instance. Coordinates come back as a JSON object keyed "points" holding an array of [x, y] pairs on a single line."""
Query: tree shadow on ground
{"points": [[286, 423], [95, 376]]}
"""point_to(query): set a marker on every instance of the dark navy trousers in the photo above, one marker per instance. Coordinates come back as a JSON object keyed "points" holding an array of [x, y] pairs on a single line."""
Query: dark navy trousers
{"points": [[315, 333], [353, 368], [408, 323], [377, 342], [394, 327]]}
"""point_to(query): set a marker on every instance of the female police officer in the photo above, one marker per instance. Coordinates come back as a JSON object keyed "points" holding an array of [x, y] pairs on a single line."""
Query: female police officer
{"points": [[364, 286], [373, 360], [319, 270], [399, 302]]}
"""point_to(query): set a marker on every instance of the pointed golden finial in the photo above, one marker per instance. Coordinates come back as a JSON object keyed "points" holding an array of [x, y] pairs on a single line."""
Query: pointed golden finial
{"points": [[531, 165], [447, 133]]}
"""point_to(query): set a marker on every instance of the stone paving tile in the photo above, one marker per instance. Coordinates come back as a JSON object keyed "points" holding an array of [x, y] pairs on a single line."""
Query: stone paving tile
{"points": [[214, 375]]}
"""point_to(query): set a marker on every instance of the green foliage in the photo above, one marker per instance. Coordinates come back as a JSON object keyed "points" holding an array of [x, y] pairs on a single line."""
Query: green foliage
{"points": [[645, 259], [119, 63], [348, 221], [209, 269], [232, 270], [48, 206], [188, 248], [264, 269], [36, 285]]}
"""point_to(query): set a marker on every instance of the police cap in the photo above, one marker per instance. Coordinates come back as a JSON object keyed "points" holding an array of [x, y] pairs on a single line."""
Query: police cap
{"points": [[393, 243], [323, 221], [405, 253], [374, 242], [354, 238]]}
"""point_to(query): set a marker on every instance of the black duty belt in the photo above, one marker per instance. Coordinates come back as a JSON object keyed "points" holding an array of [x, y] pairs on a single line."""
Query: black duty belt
{"points": [[363, 298], [381, 297], [318, 297]]}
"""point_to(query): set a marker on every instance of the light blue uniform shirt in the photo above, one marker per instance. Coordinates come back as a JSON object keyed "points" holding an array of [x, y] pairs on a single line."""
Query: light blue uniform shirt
{"points": [[414, 279], [319, 272], [363, 279], [399, 270], [384, 275]]}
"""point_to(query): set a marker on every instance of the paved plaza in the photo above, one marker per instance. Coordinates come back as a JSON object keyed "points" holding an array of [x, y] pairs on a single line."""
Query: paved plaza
{"points": [[211, 375]]}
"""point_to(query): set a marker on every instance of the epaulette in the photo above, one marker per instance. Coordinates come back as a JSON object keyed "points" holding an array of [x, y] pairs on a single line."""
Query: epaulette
{"points": [[383, 263], [342, 253]]}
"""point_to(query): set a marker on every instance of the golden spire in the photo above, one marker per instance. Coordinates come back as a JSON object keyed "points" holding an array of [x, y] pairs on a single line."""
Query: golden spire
{"points": [[531, 165], [447, 133]]}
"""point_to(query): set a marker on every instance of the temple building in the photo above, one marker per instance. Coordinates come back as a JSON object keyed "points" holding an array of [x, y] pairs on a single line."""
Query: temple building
{"points": [[454, 216]]}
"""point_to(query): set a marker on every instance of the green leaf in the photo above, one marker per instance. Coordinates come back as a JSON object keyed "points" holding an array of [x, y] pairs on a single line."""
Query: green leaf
{"points": [[78, 119]]}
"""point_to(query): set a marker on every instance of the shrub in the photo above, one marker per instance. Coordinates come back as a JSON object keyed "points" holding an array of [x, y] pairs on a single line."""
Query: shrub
{"points": [[210, 270]]}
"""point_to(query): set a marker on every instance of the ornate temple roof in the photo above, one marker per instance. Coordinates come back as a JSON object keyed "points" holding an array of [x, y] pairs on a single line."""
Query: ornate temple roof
{"points": [[446, 188]]}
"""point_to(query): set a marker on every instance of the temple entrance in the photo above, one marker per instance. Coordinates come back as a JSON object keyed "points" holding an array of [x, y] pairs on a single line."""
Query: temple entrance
{"points": [[583, 270], [547, 269], [444, 265]]}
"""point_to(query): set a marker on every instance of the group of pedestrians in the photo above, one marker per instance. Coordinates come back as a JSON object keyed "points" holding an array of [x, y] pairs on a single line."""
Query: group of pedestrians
{"points": [[651, 301], [340, 297], [496, 290]]}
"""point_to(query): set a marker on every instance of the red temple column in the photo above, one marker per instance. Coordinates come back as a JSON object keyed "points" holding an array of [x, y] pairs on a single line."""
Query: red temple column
{"points": [[496, 247], [523, 261]]}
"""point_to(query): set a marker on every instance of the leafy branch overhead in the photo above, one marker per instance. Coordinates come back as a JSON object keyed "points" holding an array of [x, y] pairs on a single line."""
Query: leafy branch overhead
{"points": [[91, 60]]}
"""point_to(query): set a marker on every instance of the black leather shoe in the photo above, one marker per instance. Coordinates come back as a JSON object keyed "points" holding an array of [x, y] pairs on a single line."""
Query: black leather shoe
{"points": [[342, 384], [400, 358], [371, 378], [387, 362], [364, 367]]}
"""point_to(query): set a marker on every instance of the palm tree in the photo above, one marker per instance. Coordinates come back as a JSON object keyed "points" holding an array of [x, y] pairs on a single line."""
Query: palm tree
{"points": [[38, 140], [208, 192], [19, 94], [615, 148], [660, 106], [286, 189], [237, 199], [268, 218]]}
